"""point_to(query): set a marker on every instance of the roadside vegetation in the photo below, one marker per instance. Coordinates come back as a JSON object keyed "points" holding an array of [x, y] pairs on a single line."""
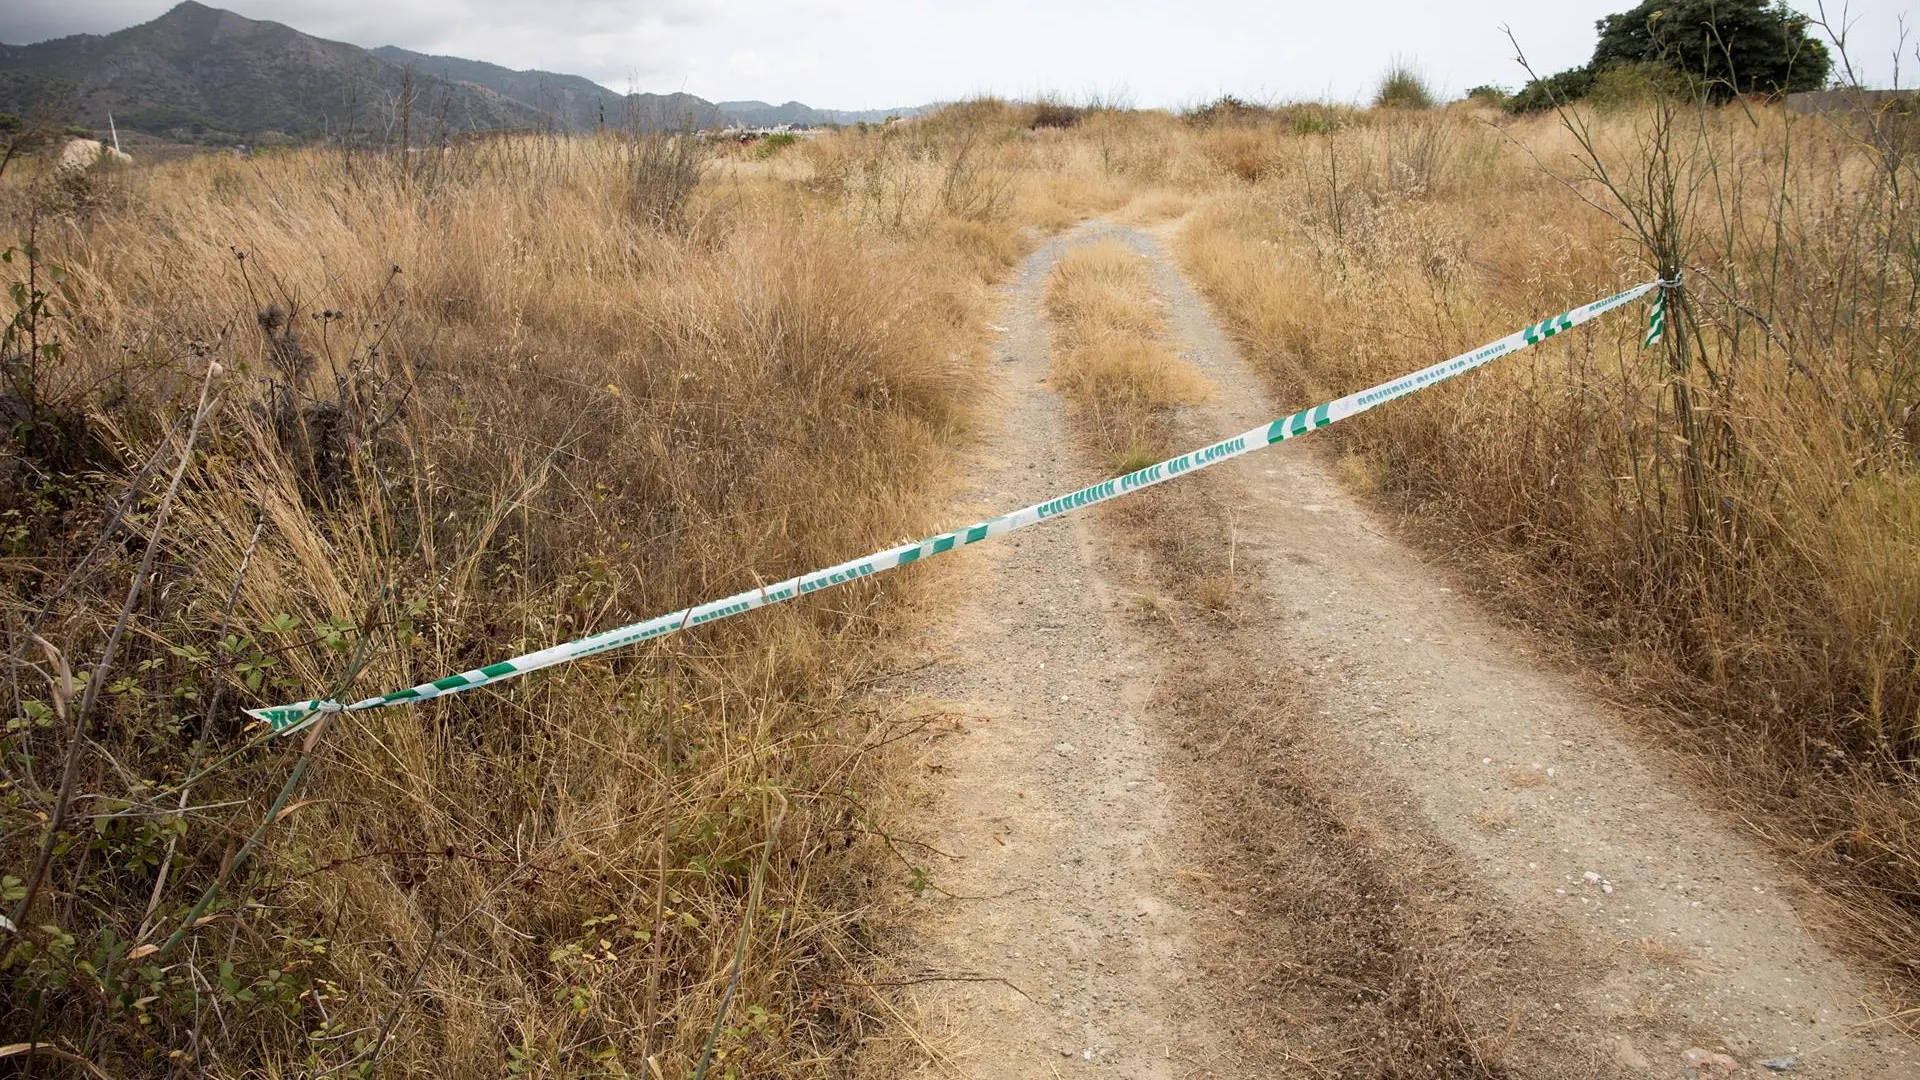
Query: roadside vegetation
{"points": [[1725, 525], [326, 424], [1112, 358], [318, 425]]}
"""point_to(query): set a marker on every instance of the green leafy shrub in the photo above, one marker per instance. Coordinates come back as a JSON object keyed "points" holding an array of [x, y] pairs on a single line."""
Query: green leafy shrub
{"points": [[1494, 96], [1627, 85], [1717, 48], [1560, 89], [773, 144]]}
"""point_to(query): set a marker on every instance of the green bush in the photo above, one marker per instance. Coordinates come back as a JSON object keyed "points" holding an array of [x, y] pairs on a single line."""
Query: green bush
{"points": [[1493, 96], [773, 144], [1627, 85], [1402, 87], [1715, 48], [1567, 86], [1312, 122]]}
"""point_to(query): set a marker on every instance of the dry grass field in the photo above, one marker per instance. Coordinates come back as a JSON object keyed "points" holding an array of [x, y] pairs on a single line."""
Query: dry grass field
{"points": [[451, 416], [287, 425], [1724, 525], [1114, 362]]}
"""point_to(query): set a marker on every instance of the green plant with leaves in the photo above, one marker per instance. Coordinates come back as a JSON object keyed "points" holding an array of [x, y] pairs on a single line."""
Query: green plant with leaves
{"points": [[30, 342], [1715, 49], [1495, 96], [1724, 47], [1542, 93], [772, 145]]}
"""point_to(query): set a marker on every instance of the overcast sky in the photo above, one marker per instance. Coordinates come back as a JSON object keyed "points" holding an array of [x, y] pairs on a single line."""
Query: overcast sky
{"points": [[851, 54]]}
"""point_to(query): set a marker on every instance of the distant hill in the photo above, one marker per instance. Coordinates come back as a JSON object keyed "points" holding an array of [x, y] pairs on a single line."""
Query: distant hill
{"points": [[583, 104], [201, 74], [761, 114], [577, 103]]}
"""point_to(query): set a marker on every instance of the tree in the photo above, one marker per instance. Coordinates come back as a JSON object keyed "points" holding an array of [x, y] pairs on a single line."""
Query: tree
{"points": [[1730, 46], [1545, 93], [19, 138], [1715, 48], [1495, 96]]}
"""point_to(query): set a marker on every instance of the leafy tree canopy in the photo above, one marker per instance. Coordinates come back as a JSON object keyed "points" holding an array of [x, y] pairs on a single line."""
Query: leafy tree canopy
{"points": [[1558, 89], [1734, 46], [1718, 48]]}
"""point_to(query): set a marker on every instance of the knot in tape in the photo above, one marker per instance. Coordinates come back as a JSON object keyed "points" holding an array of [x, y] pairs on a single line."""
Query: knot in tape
{"points": [[1674, 282], [286, 718]]}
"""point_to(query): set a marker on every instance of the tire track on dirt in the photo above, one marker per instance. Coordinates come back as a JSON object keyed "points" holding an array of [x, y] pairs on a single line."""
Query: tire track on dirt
{"points": [[1052, 794], [1314, 832], [1672, 932]]}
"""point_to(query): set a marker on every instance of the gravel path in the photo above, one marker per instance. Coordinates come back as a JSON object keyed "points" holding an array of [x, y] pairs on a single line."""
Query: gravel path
{"points": [[1064, 793]]}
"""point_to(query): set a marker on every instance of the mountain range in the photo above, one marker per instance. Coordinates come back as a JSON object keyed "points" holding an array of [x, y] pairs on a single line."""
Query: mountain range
{"points": [[201, 74]]}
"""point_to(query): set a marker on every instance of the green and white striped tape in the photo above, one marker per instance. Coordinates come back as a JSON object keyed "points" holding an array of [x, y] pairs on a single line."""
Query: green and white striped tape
{"points": [[288, 718]]}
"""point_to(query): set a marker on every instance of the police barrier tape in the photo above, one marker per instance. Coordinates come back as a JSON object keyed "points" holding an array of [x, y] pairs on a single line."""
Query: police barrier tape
{"points": [[288, 718]]}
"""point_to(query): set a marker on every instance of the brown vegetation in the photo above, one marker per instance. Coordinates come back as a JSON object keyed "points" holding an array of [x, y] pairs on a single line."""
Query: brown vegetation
{"points": [[1111, 356], [466, 403], [1726, 525], [456, 410]]}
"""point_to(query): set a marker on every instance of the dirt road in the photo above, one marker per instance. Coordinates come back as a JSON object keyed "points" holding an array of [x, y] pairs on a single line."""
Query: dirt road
{"points": [[1341, 824]]}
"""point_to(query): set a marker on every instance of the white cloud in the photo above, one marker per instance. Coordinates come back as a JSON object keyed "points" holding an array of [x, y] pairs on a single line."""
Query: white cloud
{"points": [[748, 63], [862, 53]]}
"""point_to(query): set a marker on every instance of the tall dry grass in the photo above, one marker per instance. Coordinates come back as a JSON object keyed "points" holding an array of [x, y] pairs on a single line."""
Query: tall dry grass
{"points": [[982, 167], [1112, 358], [460, 408], [1731, 528], [506, 393]]}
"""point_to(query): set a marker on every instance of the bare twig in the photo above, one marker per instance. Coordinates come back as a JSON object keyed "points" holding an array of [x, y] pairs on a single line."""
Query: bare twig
{"points": [[746, 937], [273, 814], [70, 773], [206, 722]]}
